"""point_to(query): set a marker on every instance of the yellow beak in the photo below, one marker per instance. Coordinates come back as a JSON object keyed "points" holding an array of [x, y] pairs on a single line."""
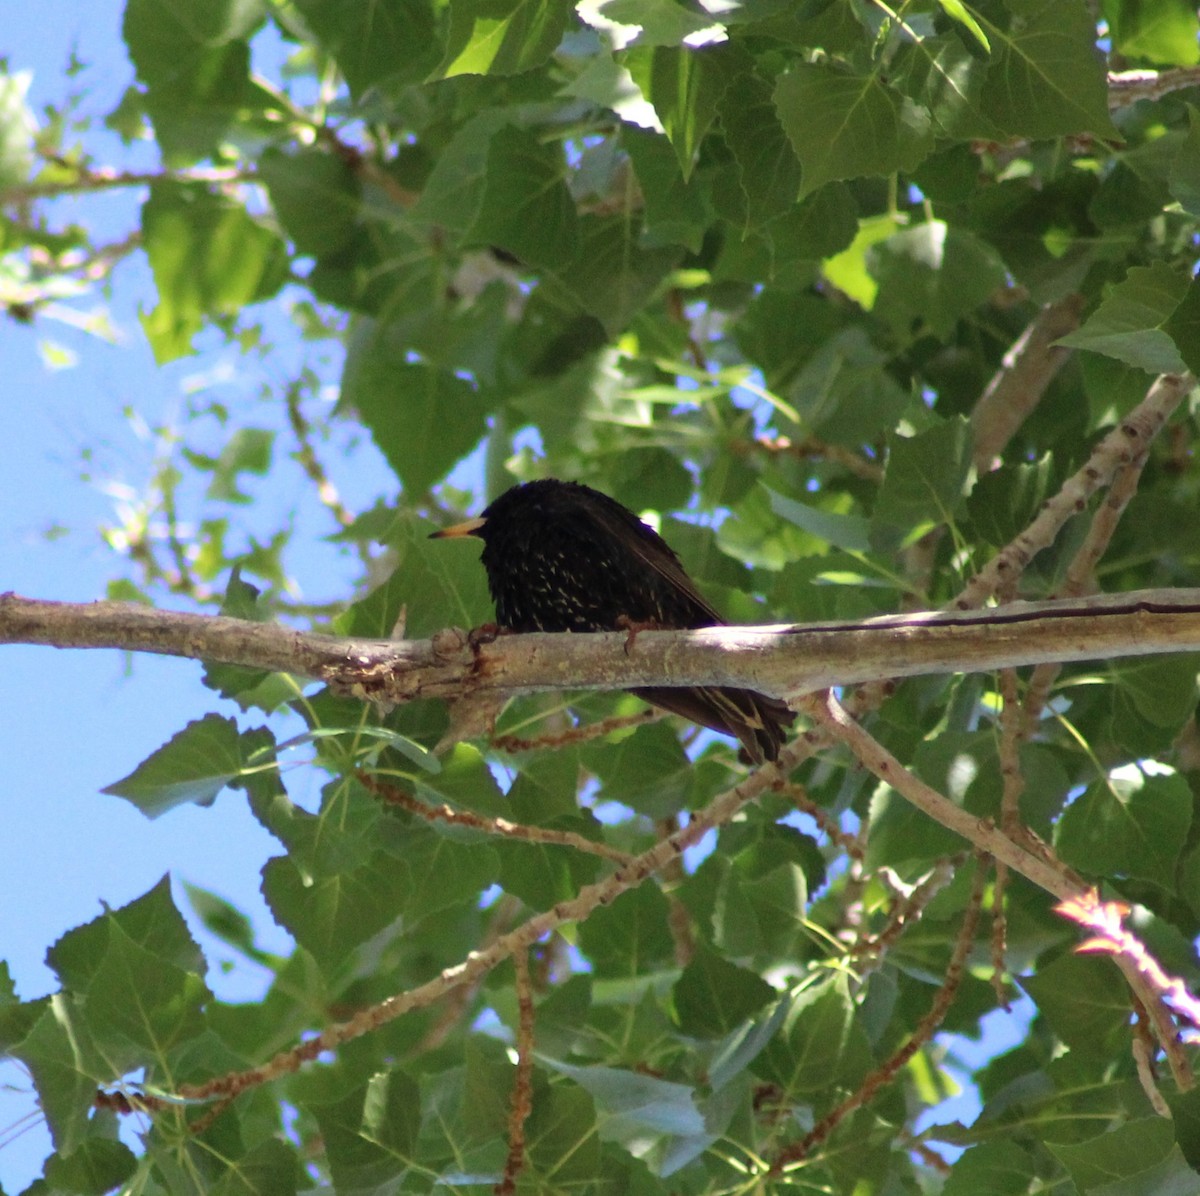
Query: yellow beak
{"points": [[469, 528]]}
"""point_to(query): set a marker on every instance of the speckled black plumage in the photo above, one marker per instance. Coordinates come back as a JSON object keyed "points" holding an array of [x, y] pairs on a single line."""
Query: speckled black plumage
{"points": [[561, 556]]}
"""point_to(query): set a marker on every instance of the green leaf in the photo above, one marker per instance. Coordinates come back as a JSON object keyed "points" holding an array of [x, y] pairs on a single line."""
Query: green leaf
{"points": [[923, 480], [613, 276], [370, 1131], [443, 871], [930, 277], [316, 197], [768, 170], [650, 22], [384, 42], [17, 1017], [957, 11], [1183, 326], [542, 874], [17, 128], [819, 226], [822, 1046], [1130, 324], [210, 259], [631, 936], [422, 417], [1161, 31], [1045, 78], [1000, 1168], [66, 1070], [946, 73], [561, 1142], [647, 770], [98, 1166], [676, 213], [248, 451], [134, 999], [644, 1114], [843, 126], [1084, 1000], [526, 208], [1003, 501], [194, 58], [1133, 826], [502, 37], [152, 921], [332, 913], [713, 996], [225, 921], [1160, 691], [192, 766], [1122, 1153], [850, 532], [271, 1168], [685, 87], [453, 193], [739, 1049], [436, 583], [165, 1016], [1184, 178]]}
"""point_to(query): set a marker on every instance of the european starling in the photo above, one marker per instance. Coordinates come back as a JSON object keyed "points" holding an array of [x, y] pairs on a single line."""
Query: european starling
{"points": [[561, 556]]}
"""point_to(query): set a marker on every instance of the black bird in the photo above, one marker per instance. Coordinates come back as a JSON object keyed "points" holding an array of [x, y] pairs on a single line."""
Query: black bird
{"points": [[561, 556]]}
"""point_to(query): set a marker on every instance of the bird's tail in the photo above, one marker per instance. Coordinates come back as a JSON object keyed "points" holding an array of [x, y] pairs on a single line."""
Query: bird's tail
{"points": [[759, 723]]}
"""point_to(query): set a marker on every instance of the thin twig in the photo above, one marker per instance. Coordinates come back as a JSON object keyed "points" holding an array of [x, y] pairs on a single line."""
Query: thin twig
{"points": [[327, 493], [812, 446], [502, 827], [104, 179], [797, 794], [583, 733], [521, 1101], [908, 910]]}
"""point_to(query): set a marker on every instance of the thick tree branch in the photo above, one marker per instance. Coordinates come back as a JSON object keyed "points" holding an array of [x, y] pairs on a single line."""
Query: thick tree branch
{"points": [[1127, 87], [784, 660], [1025, 374]]}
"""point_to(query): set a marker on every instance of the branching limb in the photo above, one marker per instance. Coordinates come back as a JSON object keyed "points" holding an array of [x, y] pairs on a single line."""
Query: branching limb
{"points": [[1123, 444], [477, 965], [1158, 993], [926, 1028], [1046, 872]]}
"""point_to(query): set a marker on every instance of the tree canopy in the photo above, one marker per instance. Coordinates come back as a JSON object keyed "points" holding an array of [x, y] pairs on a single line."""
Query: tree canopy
{"points": [[869, 309]]}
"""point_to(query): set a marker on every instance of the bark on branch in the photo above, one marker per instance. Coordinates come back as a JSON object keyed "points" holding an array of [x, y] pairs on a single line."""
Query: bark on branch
{"points": [[784, 660]]}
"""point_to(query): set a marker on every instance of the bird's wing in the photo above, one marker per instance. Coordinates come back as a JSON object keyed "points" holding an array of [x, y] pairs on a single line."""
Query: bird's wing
{"points": [[649, 547]]}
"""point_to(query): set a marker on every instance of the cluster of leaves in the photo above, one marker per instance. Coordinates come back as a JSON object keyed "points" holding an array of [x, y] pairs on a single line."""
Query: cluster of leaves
{"points": [[750, 267]]}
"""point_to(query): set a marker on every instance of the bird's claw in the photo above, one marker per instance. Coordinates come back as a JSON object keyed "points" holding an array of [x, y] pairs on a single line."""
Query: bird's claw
{"points": [[485, 633], [634, 627]]}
